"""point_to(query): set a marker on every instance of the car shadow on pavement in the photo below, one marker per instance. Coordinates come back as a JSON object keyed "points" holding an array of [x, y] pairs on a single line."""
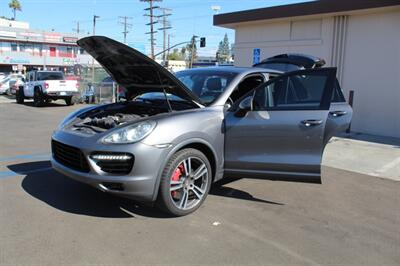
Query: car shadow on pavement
{"points": [[220, 189], [65, 194]]}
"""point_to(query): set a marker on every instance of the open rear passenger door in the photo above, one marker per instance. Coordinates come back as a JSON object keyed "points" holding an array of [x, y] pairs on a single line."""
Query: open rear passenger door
{"points": [[277, 131]]}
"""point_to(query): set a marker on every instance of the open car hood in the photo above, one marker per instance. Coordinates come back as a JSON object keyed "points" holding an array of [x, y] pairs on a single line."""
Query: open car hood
{"points": [[133, 70]]}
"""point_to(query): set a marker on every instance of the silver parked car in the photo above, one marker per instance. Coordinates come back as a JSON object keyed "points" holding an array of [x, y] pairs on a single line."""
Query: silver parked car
{"points": [[176, 135]]}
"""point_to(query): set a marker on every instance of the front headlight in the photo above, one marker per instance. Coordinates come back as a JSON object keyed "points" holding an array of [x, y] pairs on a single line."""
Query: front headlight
{"points": [[130, 134]]}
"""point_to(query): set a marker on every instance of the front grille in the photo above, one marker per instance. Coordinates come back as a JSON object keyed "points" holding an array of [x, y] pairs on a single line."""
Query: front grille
{"points": [[69, 156], [117, 167]]}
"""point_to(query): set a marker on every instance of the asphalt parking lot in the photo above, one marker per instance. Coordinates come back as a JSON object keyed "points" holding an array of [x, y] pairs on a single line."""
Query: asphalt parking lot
{"points": [[48, 219]]}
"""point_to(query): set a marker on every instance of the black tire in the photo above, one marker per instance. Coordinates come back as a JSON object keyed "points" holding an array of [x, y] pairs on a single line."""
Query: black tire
{"points": [[165, 199], [20, 96], [38, 100], [69, 101]]}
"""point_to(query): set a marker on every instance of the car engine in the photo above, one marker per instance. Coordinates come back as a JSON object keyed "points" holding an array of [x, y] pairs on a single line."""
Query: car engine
{"points": [[110, 121]]}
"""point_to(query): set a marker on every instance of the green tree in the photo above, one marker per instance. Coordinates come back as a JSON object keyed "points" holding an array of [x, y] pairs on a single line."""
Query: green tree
{"points": [[15, 5], [224, 50], [175, 55], [183, 53]]}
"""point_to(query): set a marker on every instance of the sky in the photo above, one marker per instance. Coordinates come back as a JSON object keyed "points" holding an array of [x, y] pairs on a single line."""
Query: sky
{"points": [[188, 17]]}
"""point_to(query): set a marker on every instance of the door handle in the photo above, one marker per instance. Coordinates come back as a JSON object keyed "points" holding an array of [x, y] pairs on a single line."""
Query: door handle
{"points": [[311, 122], [337, 113]]}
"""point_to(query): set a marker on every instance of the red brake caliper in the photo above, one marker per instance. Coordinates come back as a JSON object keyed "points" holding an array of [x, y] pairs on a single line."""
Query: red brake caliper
{"points": [[176, 176]]}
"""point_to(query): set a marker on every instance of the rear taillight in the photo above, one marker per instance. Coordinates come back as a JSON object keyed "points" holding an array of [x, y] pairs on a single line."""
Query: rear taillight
{"points": [[46, 85], [77, 85]]}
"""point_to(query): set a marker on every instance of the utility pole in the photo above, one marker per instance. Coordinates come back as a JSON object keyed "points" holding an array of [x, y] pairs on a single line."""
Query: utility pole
{"points": [[151, 24], [94, 33], [77, 29], [126, 26], [192, 51], [166, 25], [169, 44]]}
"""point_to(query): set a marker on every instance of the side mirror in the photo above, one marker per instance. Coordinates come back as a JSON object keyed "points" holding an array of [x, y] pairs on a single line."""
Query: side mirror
{"points": [[244, 107]]}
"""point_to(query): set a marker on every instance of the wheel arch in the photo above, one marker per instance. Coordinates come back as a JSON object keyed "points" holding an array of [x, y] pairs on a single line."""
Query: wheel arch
{"points": [[198, 144], [38, 87]]}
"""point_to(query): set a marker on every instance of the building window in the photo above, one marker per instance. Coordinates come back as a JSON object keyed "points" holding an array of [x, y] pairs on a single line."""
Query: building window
{"points": [[14, 47], [25, 47], [38, 49], [81, 51]]}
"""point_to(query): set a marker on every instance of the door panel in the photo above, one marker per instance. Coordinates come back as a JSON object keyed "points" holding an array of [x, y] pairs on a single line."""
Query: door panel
{"points": [[275, 141], [283, 134], [340, 114]]}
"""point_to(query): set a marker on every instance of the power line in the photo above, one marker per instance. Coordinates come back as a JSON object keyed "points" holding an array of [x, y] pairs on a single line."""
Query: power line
{"points": [[152, 22], [126, 25]]}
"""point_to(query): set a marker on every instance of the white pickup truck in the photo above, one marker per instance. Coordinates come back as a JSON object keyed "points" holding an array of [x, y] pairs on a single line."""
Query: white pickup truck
{"points": [[45, 86]]}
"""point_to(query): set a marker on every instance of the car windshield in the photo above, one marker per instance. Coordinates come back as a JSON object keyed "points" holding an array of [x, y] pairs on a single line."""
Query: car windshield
{"points": [[50, 76], [206, 84]]}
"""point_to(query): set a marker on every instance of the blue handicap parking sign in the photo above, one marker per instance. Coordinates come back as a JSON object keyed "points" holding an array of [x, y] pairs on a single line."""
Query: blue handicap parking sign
{"points": [[256, 55]]}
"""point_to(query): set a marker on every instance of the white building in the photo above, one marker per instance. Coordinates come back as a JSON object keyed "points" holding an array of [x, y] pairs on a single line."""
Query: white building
{"points": [[22, 48], [360, 37]]}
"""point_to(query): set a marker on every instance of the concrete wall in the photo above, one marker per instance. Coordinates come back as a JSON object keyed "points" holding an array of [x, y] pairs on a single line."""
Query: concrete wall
{"points": [[307, 36], [372, 70], [371, 65]]}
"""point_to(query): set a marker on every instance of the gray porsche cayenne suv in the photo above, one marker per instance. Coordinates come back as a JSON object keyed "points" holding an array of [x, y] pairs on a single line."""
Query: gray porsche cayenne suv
{"points": [[177, 134]]}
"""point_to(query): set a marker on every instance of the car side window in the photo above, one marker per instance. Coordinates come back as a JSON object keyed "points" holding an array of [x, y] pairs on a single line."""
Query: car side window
{"points": [[337, 96], [291, 93], [246, 85]]}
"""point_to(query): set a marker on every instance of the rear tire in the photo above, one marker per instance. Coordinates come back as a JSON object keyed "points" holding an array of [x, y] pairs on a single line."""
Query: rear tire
{"points": [[69, 101], [20, 96], [180, 192], [38, 100]]}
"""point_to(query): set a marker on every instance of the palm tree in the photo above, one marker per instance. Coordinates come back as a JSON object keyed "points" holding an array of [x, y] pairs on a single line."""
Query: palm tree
{"points": [[15, 5]]}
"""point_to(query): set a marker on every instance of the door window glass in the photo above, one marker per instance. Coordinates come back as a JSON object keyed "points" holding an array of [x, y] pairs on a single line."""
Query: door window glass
{"points": [[291, 92], [246, 85], [337, 95]]}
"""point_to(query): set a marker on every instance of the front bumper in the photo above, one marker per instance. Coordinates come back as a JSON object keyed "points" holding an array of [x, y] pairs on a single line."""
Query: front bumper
{"points": [[140, 183]]}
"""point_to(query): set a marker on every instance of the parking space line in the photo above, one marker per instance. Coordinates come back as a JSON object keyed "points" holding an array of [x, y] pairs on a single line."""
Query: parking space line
{"points": [[6, 174], [43, 155], [9, 173]]}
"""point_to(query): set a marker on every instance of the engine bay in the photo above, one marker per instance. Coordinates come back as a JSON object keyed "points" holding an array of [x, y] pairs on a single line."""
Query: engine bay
{"points": [[110, 121], [109, 116]]}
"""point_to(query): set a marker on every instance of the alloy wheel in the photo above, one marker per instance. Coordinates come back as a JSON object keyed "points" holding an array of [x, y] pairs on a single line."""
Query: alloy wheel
{"points": [[188, 184]]}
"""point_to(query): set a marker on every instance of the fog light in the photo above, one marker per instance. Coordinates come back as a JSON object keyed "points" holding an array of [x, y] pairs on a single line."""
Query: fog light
{"points": [[108, 157]]}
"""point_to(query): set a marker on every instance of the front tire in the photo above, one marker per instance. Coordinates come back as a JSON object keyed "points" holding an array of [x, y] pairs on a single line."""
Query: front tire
{"points": [[20, 96], [185, 182], [38, 100]]}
